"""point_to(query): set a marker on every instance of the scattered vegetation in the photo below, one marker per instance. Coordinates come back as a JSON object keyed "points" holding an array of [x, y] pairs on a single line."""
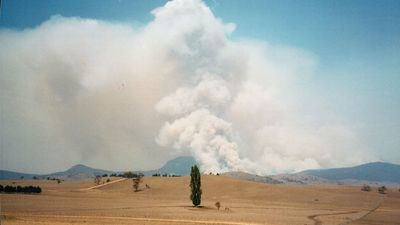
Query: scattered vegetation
{"points": [[195, 186], [136, 181], [20, 189], [382, 190], [56, 179], [128, 174], [218, 205], [165, 175], [97, 180], [132, 175], [366, 188]]}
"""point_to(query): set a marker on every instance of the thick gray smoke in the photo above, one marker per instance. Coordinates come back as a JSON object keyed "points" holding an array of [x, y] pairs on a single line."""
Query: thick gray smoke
{"points": [[81, 90]]}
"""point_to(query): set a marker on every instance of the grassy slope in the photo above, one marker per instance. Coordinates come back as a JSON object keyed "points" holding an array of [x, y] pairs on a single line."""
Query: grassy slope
{"points": [[168, 198]]}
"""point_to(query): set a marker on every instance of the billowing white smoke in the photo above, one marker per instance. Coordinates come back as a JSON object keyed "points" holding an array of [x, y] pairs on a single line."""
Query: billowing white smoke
{"points": [[118, 97], [233, 113], [197, 127]]}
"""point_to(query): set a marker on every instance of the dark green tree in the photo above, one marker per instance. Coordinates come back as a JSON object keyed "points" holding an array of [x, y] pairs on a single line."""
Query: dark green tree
{"points": [[195, 186]]}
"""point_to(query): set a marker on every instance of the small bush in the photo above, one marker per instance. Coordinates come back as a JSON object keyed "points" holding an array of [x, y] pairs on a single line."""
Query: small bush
{"points": [[97, 180], [218, 205], [136, 182], [382, 190], [366, 188]]}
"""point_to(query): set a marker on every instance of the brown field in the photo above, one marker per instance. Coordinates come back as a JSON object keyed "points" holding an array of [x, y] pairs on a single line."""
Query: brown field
{"points": [[167, 202]]}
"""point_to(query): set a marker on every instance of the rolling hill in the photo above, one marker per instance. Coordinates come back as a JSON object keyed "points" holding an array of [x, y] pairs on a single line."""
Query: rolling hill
{"points": [[252, 177], [11, 175], [370, 173], [373, 172], [76, 172], [178, 166], [79, 172]]}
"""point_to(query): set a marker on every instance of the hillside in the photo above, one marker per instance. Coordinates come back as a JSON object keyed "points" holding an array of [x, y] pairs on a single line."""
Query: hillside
{"points": [[374, 172], [252, 177], [165, 200], [11, 175], [79, 172], [178, 166]]}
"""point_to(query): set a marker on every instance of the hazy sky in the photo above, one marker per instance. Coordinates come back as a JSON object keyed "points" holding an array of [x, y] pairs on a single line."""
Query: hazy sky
{"points": [[112, 85]]}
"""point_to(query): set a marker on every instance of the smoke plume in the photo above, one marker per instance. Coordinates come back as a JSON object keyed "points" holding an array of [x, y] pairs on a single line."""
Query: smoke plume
{"points": [[123, 97]]}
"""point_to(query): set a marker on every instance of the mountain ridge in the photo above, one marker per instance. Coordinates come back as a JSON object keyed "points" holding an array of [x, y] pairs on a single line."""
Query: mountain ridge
{"points": [[178, 166], [371, 173]]}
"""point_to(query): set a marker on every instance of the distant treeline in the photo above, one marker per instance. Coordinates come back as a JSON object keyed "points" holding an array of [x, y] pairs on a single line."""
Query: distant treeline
{"points": [[20, 189], [126, 174], [165, 175], [134, 175]]}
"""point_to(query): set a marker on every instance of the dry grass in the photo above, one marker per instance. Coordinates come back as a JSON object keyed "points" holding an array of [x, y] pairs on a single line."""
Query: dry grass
{"points": [[167, 202]]}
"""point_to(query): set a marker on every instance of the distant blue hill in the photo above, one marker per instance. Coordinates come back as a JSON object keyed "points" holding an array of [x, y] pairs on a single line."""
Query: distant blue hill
{"points": [[10, 175], [79, 172], [76, 172], [372, 172], [178, 166], [375, 171]]}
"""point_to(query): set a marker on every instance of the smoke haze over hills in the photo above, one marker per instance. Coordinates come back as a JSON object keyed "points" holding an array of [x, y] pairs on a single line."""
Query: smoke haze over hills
{"points": [[117, 96]]}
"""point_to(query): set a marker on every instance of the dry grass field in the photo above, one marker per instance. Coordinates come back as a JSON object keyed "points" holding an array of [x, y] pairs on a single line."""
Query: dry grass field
{"points": [[167, 202]]}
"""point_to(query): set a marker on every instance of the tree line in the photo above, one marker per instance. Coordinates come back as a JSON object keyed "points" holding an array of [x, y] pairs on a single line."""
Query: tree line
{"points": [[164, 175], [20, 189], [132, 175]]}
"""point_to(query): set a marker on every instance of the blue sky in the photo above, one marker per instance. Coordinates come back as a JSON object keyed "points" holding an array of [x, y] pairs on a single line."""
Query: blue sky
{"points": [[356, 44]]}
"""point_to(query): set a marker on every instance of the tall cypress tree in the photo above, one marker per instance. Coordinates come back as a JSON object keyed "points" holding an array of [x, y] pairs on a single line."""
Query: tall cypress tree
{"points": [[195, 186]]}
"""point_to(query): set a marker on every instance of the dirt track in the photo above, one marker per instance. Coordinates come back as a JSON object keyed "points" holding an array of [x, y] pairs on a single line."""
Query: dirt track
{"points": [[102, 185], [317, 217]]}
